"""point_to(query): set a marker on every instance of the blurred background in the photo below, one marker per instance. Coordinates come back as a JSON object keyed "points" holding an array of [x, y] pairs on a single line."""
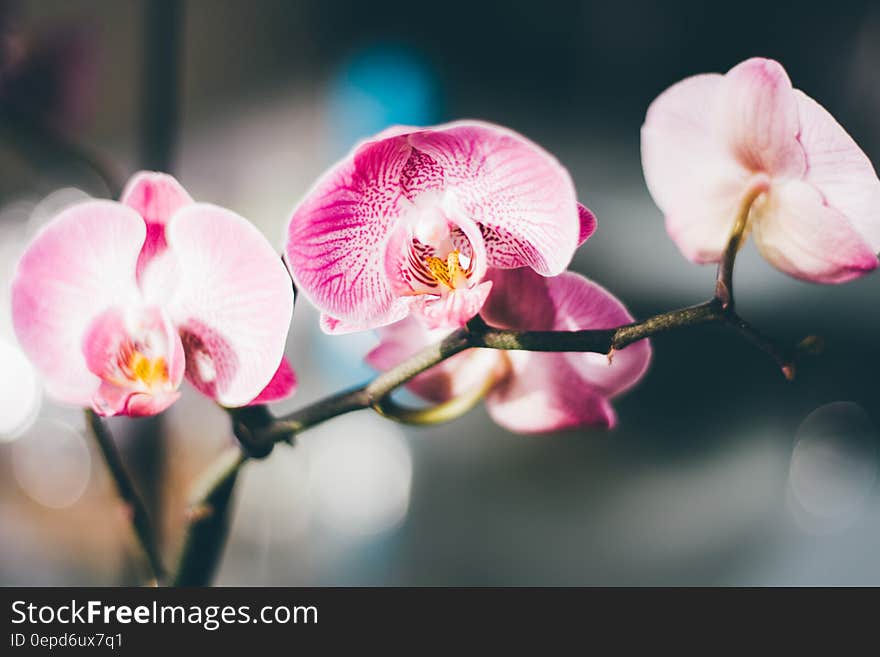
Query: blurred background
{"points": [[720, 472]]}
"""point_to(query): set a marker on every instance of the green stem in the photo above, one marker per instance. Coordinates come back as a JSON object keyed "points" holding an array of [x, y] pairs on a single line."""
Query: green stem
{"points": [[479, 335], [601, 341], [439, 413], [209, 516], [140, 518], [724, 278], [368, 395]]}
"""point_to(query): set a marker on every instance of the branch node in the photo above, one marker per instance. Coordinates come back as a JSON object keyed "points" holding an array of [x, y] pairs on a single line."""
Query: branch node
{"points": [[250, 424]]}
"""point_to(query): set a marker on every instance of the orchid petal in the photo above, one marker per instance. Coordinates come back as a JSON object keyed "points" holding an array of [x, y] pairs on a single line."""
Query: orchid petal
{"points": [[554, 391], [79, 265], [800, 234], [588, 223], [336, 238], [691, 177], [335, 326], [839, 169], [520, 300], [547, 395], [233, 302], [156, 197], [282, 385], [113, 399], [454, 309], [756, 115], [702, 228], [519, 194]]}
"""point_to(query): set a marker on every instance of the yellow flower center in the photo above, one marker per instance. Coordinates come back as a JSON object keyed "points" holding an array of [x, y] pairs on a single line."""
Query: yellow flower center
{"points": [[149, 371], [449, 272], [138, 368]]}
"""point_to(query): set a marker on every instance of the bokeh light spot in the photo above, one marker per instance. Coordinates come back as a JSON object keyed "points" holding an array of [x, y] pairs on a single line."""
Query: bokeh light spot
{"points": [[833, 467], [360, 475], [20, 392], [52, 464]]}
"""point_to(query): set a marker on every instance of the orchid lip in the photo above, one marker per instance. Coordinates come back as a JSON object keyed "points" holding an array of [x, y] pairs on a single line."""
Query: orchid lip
{"points": [[133, 352], [441, 261], [133, 367], [440, 254]]}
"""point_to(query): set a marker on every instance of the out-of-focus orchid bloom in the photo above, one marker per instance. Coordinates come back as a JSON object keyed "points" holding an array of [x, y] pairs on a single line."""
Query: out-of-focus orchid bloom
{"points": [[413, 218], [715, 146], [531, 392], [116, 302]]}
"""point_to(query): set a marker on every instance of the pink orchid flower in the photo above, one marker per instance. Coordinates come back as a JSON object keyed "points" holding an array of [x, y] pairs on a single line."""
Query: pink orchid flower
{"points": [[714, 146], [530, 392], [413, 219], [116, 302]]}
